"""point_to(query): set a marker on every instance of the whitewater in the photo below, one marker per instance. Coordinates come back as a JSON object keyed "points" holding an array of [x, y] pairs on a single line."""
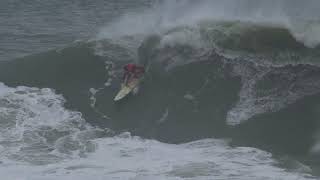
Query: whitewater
{"points": [[43, 140]]}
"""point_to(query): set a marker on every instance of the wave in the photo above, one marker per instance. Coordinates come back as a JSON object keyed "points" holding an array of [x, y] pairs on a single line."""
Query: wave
{"points": [[35, 128], [38, 130], [302, 22], [194, 90], [253, 80], [133, 158]]}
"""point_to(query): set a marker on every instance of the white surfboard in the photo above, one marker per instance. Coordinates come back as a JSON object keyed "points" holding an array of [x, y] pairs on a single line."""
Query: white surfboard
{"points": [[126, 89]]}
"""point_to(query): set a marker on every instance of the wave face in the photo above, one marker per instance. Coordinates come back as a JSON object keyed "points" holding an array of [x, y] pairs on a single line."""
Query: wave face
{"points": [[232, 88]]}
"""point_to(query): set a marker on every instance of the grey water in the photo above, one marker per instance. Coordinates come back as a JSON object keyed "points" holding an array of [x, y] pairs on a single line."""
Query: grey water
{"points": [[231, 92]]}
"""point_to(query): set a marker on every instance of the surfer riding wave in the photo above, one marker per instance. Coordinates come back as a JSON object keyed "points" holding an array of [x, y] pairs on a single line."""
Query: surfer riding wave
{"points": [[132, 71]]}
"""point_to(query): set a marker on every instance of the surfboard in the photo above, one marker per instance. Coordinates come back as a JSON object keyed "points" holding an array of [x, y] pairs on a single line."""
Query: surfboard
{"points": [[127, 88]]}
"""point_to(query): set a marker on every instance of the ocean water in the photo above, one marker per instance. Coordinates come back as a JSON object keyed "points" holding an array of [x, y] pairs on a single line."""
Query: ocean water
{"points": [[231, 90]]}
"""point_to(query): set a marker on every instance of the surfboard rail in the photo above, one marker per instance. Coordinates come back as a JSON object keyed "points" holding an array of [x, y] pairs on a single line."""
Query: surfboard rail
{"points": [[127, 88]]}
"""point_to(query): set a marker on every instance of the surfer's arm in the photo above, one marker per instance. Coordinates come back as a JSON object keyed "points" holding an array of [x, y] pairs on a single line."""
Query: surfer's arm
{"points": [[139, 70]]}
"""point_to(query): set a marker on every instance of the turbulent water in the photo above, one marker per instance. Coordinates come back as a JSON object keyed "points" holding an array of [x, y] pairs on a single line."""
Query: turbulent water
{"points": [[232, 89]]}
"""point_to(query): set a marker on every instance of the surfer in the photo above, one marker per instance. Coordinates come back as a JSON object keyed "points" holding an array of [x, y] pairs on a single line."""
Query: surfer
{"points": [[132, 71]]}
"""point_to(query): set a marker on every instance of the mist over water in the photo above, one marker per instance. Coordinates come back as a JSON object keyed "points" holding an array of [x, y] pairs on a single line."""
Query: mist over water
{"points": [[301, 19]]}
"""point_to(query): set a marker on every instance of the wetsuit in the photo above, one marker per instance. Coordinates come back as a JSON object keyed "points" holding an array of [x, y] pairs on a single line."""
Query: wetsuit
{"points": [[132, 71]]}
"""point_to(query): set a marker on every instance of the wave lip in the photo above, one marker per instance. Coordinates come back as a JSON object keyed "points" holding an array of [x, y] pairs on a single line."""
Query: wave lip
{"points": [[171, 14]]}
